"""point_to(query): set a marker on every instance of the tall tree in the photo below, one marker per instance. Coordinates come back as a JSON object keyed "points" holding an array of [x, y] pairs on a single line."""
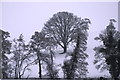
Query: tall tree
{"points": [[39, 42], [21, 57], [61, 27], [6, 45], [107, 55], [76, 67], [51, 67]]}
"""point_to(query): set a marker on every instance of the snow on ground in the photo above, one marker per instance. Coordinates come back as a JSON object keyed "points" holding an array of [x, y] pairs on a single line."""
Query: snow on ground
{"points": [[59, 59]]}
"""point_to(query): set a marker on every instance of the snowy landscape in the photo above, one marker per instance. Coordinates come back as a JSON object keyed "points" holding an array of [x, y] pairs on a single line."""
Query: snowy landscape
{"points": [[60, 40]]}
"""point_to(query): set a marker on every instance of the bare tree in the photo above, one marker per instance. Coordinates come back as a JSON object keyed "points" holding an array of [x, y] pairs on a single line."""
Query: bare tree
{"points": [[61, 27], [21, 57]]}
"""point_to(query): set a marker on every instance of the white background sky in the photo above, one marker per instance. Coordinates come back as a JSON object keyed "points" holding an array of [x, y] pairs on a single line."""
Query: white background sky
{"points": [[28, 17]]}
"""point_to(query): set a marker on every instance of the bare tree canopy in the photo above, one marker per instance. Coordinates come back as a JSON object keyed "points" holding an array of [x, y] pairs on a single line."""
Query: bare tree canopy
{"points": [[20, 60], [62, 28]]}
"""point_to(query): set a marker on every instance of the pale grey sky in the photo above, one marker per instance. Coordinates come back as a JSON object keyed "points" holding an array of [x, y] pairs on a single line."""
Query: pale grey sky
{"points": [[28, 17]]}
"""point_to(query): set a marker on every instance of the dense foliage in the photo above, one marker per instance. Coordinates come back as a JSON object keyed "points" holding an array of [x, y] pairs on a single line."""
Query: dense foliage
{"points": [[107, 55], [4, 50]]}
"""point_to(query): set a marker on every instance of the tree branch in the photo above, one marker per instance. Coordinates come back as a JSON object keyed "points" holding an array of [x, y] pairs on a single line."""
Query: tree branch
{"points": [[26, 67]]}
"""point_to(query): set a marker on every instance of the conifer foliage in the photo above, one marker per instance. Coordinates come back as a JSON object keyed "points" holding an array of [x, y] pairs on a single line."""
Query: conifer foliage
{"points": [[107, 55], [4, 50], [76, 67]]}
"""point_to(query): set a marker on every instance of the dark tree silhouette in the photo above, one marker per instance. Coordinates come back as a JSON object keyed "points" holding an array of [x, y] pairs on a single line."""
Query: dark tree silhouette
{"points": [[76, 66], [61, 27], [36, 45], [107, 55], [40, 41], [5, 49]]}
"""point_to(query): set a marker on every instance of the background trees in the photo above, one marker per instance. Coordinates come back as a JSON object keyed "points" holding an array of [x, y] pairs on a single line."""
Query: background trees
{"points": [[21, 57], [107, 55], [38, 43], [61, 27], [67, 29]]}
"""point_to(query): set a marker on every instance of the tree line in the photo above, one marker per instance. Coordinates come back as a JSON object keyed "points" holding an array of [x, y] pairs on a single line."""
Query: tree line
{"points": [[61, 30]]}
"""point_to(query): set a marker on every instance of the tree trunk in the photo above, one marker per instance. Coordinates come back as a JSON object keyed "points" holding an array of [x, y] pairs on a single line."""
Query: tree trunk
{"points": [[65, 48], [40, 72], [113, 68], [39, 63], [16, 72], [16, 69]]}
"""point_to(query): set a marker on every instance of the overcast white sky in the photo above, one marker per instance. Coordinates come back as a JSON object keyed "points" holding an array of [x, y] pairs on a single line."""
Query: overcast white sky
{"points": [[28, 17]]}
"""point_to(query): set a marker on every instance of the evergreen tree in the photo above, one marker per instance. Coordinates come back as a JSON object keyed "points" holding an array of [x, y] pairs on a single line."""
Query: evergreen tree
{"points": [[107, 55], [48, 58], [76, 67], [37, 43], [4, 50], [51, 68]]}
